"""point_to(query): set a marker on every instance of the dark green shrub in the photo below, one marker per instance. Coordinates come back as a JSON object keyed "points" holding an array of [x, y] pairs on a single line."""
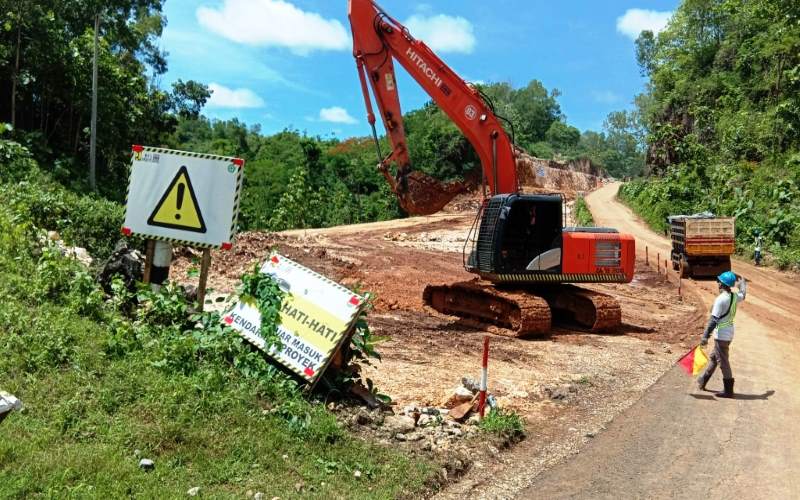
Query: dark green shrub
{"points": [[16, 163]]}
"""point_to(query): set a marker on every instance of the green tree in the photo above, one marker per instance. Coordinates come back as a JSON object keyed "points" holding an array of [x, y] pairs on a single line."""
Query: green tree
{"points": [[46, 52], [623, 156], [723, 118], [562, 137]]}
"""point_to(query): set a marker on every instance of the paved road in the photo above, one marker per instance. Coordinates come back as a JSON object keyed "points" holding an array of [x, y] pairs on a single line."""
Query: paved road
{"points": [[677, 442]]}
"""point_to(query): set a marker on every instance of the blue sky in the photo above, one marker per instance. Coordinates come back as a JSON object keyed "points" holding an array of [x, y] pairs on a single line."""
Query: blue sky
{"points": [[288, 63]]}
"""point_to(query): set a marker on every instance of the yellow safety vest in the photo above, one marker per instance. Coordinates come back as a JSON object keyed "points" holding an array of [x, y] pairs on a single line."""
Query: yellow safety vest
{"points": [[731, 313]]}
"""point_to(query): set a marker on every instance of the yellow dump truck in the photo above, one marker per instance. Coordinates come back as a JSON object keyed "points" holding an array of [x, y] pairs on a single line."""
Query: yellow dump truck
{"points": [[702, 244]]}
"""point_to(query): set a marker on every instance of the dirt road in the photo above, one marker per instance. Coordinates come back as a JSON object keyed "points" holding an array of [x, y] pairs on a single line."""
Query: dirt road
{"points": [[567, 386], [678, 442]]}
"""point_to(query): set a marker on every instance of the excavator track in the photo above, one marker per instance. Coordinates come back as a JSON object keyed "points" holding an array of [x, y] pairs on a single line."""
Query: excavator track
{"points": [[593, 310], [525, 311], [521, 313]]}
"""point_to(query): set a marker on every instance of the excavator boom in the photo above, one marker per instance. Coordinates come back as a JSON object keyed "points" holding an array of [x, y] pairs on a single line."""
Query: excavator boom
{"points": [[378, 41]]}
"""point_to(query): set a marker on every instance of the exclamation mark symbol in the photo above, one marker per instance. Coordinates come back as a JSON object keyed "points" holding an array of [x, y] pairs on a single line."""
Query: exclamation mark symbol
{"points": [[181, 190]]}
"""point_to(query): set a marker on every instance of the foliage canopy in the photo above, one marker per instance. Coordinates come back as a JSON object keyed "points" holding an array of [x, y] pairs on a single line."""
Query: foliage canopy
{"points": [[723, 119]]}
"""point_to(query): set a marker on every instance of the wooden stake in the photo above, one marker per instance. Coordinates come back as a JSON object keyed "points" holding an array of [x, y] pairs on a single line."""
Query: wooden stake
{"points": [[680, 280], [666, 271], [150, 247], [205, 264], [658, 263], [646, 256]]}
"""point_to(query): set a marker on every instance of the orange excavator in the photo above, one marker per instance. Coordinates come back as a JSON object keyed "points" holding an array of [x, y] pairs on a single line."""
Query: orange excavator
{"points": [[525, 258]]}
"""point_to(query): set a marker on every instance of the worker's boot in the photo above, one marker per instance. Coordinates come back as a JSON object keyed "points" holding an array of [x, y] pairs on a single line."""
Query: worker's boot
{"points": [[702, 380], [728, 392]]}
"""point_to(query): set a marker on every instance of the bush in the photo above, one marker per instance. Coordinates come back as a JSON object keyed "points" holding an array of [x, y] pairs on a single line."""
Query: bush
{"points": [[764, 197], [583, 216], [85, 221], [16, 163], [102, 380]]}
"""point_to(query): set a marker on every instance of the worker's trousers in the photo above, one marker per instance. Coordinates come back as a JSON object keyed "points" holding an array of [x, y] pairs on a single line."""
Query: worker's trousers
{"points": [[719, 356]]}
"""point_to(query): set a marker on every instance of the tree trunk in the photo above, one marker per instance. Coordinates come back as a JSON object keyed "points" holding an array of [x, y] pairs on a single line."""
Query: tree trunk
{"points": [[93, 139], [69, 121], [77, 136], [46, 108], [15, 78]]}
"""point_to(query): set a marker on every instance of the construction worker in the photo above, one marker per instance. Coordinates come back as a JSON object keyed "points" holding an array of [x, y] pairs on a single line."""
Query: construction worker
{"points": [[723, 312], [757, 256]]}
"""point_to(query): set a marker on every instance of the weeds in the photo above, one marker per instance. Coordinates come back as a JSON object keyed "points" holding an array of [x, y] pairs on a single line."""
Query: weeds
{"points": [[262, 290], [102, 378], [362, 349], [583, 216], [503, 423]]}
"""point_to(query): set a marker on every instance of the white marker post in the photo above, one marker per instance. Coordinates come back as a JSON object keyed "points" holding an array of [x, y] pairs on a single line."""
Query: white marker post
{"points": [[484, 377]]}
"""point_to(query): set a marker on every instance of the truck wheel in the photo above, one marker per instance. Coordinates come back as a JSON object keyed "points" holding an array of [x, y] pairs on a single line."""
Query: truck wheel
{"points": [[686, 272]]}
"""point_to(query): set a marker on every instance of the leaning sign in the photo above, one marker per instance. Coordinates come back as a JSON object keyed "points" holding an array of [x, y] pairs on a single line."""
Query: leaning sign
{"points": [[185, 198], [317, 316]]}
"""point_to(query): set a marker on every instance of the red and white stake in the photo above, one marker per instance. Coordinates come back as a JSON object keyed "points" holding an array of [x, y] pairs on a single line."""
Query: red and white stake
{"points": [[484, 377]]}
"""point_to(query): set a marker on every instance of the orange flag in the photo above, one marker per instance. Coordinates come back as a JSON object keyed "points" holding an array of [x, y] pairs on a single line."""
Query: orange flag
{"points": [[694, 361]]}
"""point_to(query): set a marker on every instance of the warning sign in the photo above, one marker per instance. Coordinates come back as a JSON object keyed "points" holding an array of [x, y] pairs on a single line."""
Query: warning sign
{"points": [[317, 316], [187, 198], [178, 207]]}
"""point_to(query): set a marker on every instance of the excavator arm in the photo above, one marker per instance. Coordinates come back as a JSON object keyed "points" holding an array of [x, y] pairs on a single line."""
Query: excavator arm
{"points": [[379, 40]]}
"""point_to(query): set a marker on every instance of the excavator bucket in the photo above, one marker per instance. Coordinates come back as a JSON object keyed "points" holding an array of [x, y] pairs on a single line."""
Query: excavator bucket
{"points": [[421, 194]]}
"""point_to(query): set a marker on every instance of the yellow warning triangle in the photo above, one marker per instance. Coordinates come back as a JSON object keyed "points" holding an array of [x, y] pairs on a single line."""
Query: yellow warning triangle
{"points": [[178, 207]]}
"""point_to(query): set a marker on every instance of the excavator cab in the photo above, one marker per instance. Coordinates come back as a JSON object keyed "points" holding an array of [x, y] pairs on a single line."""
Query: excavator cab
{"points": [[521, 239], [519, 233]]}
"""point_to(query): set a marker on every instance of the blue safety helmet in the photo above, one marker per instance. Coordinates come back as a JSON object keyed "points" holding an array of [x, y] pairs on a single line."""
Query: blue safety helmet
{"points": [[727, 278]]}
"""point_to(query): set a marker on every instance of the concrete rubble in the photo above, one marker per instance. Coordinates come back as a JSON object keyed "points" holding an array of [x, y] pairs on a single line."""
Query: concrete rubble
{"points": [[432, 428], [146, 464], [560, 393], [78, 253]]}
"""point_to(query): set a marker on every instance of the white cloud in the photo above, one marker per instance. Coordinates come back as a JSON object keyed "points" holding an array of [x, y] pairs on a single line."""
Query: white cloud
{"points": [[224, 97], [336, 114], [634, 21], [605, 96], [443, 33], [274, 23]]}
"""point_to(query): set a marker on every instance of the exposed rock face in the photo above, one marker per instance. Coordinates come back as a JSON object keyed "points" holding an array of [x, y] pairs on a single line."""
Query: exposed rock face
{"points": [[572, 177]]}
